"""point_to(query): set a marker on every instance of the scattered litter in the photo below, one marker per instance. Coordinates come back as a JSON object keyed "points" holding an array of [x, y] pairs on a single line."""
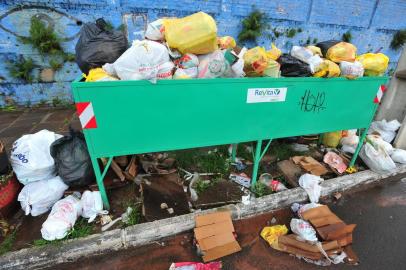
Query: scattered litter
{"points": [[92, 205], [239, 165], [399, 156], [335, 162], [300, 147], [303, 229], [337, 196], [376, 158], [124, 218], [214, 235], [387, 130], [170, 211], [310, 165], [241, 179], [272, 233], [332, 139], [62, 217], [310, 183], [195, 266], [105, 219], [164, 206]]}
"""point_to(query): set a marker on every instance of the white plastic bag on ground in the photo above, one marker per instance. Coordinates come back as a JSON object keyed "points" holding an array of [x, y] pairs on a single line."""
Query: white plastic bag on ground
{"points": [[303, 229], [399, 156], [92, 205], [350, 141], [351, 70], [142, 61], [378, 141], [387, 130], [301, 53], [376, 158], [62, 217], [30, 156], [38, 197], [310, 183]]}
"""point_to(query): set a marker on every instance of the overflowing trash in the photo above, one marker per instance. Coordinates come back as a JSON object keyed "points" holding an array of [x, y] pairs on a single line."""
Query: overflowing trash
{"points": [[387, 130], [310, 183]]}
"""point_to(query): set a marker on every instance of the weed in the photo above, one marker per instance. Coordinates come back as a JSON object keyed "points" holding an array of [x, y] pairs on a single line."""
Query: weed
{"points": [[22, 69], [260, 189], [202, 185], [252, 26], [135, 216], [308, 41], [55, 64], [121, 28], [8, 108], [347, 37], [8, 242], [299, 30], [69, 57], [276, 33], [290, 33], [315, 40], [399, 38]]}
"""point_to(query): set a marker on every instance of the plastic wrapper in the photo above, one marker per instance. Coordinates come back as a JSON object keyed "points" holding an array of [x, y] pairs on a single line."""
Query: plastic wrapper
{"points": [[375, 64], [214, 65], [258, 62], [72, 160], [303, 229], [292, 67], [195, 266], [315, 50], [92, 205], [165, 71], [331, 139], [310, 183], [328, 69], [301, 53], [195, 34], [376, 158], [349, 141], [97, 46], [377, 141], [31, 159], [303, 208], [188, 60], [351, 70], [386, 129], [315, 63], [38, 197], [342, 51], [274, 53], [335, 161], [399, 156], [155, 30], [325, 45], [226, 42], [188, 73], [142, 61], [62, 218], [99, 75], [271, 234]]}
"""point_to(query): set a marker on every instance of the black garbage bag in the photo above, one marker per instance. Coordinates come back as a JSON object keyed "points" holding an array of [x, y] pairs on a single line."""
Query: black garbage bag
{"points": [[325, 45], [72, 160], [97, 46], [293, 67]]}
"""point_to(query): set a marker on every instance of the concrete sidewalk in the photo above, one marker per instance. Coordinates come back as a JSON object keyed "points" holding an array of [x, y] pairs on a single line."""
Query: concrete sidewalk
{"points": [[15, 124]]}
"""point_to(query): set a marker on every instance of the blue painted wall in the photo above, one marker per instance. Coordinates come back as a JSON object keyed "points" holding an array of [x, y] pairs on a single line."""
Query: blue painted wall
{"points": [[371, 22]]}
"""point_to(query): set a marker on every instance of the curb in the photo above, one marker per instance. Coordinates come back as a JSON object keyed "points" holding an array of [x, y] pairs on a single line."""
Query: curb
{"points": [[145, 233]]}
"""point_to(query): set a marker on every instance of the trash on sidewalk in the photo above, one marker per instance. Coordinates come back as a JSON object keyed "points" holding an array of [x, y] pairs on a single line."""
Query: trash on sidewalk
{"points": [[310, 165], [376, 157], [310, 183], [92, 205], [72, 160], [387, 130], [241, 179], [399, 156], [30, 157], [62, 217], [97, 46], [303, 229], [38, 197], [215, 235], [336, 162], [195, 266], [272, 233]]}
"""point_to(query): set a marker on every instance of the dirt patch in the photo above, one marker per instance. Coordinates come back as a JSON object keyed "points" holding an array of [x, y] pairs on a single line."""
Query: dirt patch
{"points": [[222, 193]]}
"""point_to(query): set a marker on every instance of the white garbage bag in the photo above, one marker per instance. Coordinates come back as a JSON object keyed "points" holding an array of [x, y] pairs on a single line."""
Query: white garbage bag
{"points": [[310, 183], [301, 53], [62, 217], [350, 141], [303, 229], [155, 30], [187, 73], [38, 197], [214, 65], [351, 70], [399, 156], [142, 61], [30, 156], [387, 130], [376, 158], [378, 141], [92, 205]]}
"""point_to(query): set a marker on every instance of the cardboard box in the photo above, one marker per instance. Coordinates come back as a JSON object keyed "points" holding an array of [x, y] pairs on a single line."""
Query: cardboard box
{"points": [[214, 234]]}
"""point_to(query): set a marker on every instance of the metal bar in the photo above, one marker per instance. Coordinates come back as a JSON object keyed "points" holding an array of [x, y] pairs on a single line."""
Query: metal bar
{"points": [[99, 180], [266, 149], [257, 158], [320, 139], [361, 141], [233, 152]]}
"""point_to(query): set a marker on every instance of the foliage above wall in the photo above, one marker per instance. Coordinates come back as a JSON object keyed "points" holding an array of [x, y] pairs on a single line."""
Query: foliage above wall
{"points": [[398, 39], [253, 26]]}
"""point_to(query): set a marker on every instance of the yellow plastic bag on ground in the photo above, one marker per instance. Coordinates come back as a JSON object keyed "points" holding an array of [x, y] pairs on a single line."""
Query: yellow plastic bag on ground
{"points": [[328, 69], [226, 42], [259, 62], [98, 75], [315, 50], [375, 64], [274, 53], [342, 51], [332, 139], [271, 234], [195, 34]]}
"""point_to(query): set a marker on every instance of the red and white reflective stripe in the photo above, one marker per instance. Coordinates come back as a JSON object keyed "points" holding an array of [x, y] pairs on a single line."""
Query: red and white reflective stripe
{"points": [[86, 115], [379, 95]]}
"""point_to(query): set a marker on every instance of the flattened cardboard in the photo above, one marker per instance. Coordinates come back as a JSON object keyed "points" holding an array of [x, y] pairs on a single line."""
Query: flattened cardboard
{"points": [[221, 251], [291, 240], [300, 252], [213, 229], [212, 218], [216, 240], [317, 212], [323, 221]]}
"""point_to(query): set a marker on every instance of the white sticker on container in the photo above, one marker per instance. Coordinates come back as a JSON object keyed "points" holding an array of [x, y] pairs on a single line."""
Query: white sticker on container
{"points": [[256, 95]]}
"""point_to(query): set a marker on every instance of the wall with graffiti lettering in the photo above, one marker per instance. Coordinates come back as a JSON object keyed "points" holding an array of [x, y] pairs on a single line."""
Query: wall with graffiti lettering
{"points": [[371, 23]]}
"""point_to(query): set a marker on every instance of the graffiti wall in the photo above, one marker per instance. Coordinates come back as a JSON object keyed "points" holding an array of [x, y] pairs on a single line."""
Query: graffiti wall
{"points": [[371, 24]]}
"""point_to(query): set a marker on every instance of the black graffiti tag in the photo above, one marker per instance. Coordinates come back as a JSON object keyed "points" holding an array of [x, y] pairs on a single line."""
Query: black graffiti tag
{"points": [[311, 102]]}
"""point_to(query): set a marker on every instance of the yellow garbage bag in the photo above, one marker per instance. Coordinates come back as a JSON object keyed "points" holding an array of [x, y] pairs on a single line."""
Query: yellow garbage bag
{"points": [[328, 69], [332, 139], [342, 51], [375, 64], [226, 42], [315, 50], [195, 34], [272, 69], [274, 53], [271, 234], [98, 75]]}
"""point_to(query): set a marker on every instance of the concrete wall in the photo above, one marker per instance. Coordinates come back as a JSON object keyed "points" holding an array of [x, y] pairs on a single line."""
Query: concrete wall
{"points": [[372, 24]]}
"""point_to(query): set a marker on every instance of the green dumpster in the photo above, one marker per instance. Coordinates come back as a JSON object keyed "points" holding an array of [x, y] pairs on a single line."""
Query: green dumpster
{"points": [[134, 117]]}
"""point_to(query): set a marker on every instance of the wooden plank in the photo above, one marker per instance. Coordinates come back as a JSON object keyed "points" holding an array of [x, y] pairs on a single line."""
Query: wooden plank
{"points": [[290, 171]]}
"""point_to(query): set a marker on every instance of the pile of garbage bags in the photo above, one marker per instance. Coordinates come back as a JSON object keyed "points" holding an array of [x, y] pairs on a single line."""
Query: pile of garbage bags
{"points": [[186, 48]]}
